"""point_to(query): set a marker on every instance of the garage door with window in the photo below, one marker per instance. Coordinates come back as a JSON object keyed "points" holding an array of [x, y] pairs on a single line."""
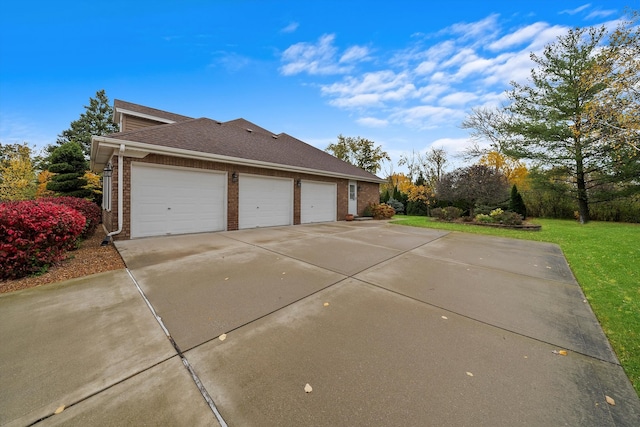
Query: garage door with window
{"points": [[166, 200], [318, 202], [264, 201]]}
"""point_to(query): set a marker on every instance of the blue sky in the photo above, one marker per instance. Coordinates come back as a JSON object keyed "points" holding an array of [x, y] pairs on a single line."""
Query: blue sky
{"points": [[403, 74]]}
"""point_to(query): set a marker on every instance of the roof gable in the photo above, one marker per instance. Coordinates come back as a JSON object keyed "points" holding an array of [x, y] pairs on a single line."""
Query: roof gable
{"points": [[128, 108]]}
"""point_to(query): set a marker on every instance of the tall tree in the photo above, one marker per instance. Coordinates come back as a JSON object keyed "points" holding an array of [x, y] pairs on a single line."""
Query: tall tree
{"points": [[551, 121], [617, 108], [358, 151], [17, 175], [96, 120], [473, 185]]}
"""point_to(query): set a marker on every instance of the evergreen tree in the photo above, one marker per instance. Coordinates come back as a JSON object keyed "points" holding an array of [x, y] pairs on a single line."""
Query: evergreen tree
{"points": [[559, 120], [96, 120], [516, 204], [68, 162]]}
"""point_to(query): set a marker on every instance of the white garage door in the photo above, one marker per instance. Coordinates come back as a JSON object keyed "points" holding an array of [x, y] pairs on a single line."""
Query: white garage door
{"points": [[318, 202], [264, 202], [176, 201]]}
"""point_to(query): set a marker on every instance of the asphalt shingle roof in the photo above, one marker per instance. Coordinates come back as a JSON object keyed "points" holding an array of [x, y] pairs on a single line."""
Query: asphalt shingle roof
{"points": [[232, 139]]}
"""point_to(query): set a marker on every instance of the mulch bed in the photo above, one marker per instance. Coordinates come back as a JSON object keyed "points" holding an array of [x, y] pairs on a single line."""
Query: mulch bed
{"points": [[89, 258]]}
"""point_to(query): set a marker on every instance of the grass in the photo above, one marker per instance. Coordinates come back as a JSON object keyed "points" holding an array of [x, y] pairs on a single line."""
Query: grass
{"points": [[604, 258]]}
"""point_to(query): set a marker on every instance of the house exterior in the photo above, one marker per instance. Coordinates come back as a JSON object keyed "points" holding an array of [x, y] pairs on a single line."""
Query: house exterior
{"points": [[170, 174]]}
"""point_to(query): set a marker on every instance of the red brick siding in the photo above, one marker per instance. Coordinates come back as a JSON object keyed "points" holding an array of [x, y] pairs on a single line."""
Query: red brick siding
{"points": [[368, 189], [368, 193]]}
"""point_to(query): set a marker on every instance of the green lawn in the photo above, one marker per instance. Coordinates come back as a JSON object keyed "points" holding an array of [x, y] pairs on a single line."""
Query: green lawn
{"points": [[605, 259]]}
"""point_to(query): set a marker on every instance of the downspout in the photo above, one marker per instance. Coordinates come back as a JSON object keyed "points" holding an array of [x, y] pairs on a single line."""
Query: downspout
{"points": [[109, 238]]}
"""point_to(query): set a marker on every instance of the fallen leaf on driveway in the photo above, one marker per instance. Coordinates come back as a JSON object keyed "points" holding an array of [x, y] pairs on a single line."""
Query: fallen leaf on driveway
{"points": [[561, 352], [445, 317], [222, 337], [470, 374], [610, 401], [308, 388], [326, 304], [60, 409]]}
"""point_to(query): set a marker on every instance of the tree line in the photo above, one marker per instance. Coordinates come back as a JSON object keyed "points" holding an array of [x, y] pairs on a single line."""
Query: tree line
{"points": [[569, 139]]}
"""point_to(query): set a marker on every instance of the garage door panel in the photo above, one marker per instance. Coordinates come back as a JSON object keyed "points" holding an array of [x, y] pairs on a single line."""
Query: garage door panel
{"points": [[176, 201], [264, 201], [318, 202]]}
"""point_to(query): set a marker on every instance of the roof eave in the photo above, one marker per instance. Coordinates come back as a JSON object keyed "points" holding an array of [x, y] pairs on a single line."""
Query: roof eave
{"points": [[102, 147]]}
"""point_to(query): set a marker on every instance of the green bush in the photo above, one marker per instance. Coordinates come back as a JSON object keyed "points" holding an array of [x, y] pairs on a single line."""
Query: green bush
{"points": [[396, 205], [484, 218], [449, 213]]}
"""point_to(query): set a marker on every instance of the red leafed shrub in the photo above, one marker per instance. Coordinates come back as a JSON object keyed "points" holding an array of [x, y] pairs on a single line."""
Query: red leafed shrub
{"points": [[35, 234], [87, 208]]}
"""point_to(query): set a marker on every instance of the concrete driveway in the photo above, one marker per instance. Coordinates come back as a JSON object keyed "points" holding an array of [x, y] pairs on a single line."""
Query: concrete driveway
{"points": [[388, 325]]}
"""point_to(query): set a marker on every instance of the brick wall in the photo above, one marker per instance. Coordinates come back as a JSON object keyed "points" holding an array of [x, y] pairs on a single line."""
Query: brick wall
{"points": [[365, 195]]}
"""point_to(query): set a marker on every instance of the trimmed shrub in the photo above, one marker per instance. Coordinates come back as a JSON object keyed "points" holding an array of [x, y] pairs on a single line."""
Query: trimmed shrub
{"points": [[449, 213], [382, 211], [511, 218], [35, 234], [483, 218], [87, 208]]}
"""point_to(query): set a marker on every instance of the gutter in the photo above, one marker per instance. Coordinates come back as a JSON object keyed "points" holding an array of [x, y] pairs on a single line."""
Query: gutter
{"points": [[109, 236], [141, 149]]}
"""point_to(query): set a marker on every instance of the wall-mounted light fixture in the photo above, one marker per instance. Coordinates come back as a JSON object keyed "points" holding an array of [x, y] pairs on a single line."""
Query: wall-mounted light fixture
{"points": [[234, 177], [298, 183], [107, 171]]}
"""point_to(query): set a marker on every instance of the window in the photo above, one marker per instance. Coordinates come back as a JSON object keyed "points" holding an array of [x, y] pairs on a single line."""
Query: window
{"points": [[352, 191]]}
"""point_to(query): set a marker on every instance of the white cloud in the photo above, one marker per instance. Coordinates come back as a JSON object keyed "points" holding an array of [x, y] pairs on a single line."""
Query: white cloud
{"points": [[318, 58], [292, 27], [521, 36], [576, 10], [452, 146], [425, 67], [355, 53], [372, 89], [372, 122], [458, 99], [477, 30], [426, 116], [431, 92], [600, 14]]}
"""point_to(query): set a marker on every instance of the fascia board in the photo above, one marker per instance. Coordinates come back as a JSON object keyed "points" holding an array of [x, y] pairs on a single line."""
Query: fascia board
{"points": [[140, 150], [143, 115]]}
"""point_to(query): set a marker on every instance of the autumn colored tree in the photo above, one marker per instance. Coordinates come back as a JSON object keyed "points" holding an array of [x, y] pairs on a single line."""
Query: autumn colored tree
{"points": [[359, 152], [616, 109], [514, 170], [43, 179], [17, 175]]}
